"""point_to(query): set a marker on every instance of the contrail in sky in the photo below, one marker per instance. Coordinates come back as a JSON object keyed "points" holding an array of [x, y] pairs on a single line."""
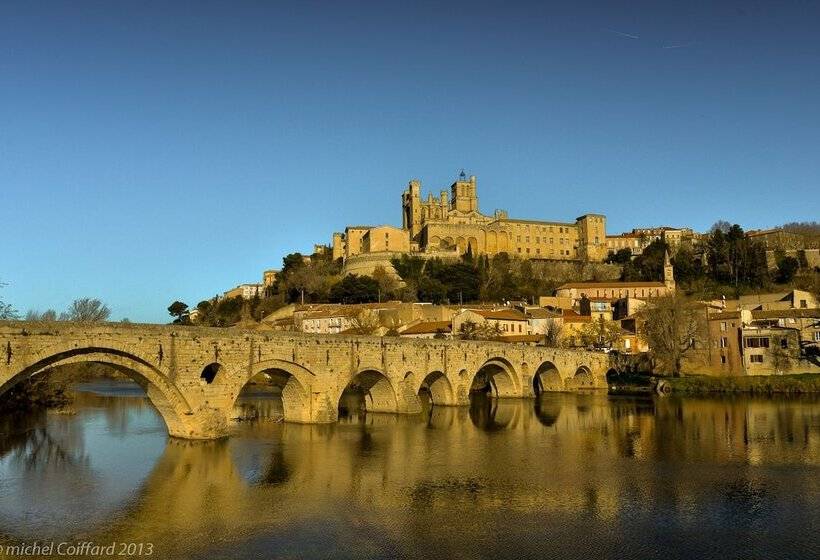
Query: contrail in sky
{"points": [[677, 46], [622, 34]]}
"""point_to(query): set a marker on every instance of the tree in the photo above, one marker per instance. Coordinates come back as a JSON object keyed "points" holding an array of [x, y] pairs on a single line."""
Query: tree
{"points": [[388, 285], [674, 328], [179, 310], [779, 353], [355, 289], [735, 259], [470, 330], [410, 268], [7, 311], [600, 333], [552, 336], [364, 323], [86, 310], [721, 225], [622, 256], [787, 267], [432, 290], [46, 316], [687, 269]]}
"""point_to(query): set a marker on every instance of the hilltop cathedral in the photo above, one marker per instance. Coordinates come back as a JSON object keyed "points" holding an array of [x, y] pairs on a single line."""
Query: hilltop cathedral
{"points": [[452, 225]]}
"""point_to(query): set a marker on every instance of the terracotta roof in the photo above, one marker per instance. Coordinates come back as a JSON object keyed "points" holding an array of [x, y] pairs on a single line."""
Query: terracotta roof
{"points": [[571, 316], [607, 285], [428, 328], [625, 235], [724, 315], [771, 314], [541, 313], [787, 313], [503, 315]]}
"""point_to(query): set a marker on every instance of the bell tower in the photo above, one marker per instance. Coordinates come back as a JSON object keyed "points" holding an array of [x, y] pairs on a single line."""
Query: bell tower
{"points": [[411, 208], [668, 272], [464, 198]]}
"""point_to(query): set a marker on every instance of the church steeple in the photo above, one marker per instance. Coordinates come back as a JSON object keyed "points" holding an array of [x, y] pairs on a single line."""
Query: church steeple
{"points": [[668, 272]]}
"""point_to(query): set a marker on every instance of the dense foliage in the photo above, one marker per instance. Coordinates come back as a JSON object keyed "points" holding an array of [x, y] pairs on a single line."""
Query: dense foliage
{"points": [[726, 262]]}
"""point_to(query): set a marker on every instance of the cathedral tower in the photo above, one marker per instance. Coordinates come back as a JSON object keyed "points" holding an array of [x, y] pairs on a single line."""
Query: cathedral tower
{"points": [[668, 272], [464, 198]]}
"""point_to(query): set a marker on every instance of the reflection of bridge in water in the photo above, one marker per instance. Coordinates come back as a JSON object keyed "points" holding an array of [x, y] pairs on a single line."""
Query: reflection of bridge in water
{"points": [[195, 375], [561, 455]]}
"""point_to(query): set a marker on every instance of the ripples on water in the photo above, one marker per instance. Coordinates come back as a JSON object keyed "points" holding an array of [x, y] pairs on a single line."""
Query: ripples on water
{"points": [[569, 476]]}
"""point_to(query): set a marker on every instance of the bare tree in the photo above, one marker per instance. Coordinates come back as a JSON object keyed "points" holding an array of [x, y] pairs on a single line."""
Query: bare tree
{"points": [[364, 323], [86, 310], [552, 336], [7, 311], [47, 315], [780, 354], [675, 330]]}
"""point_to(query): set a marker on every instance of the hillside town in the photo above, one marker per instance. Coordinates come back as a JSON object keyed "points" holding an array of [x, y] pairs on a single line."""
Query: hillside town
{"points": [[612, 289]]}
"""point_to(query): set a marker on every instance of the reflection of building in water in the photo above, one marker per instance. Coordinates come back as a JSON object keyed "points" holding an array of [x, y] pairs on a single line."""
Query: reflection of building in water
{"points": [[562, 455]]}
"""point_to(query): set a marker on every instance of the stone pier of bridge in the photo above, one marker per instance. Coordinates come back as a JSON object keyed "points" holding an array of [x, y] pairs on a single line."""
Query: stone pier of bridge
{"points": [[194, 375]]}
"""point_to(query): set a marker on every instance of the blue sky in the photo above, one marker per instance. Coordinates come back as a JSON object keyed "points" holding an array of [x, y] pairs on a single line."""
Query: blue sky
{"points": [[152, 151]]}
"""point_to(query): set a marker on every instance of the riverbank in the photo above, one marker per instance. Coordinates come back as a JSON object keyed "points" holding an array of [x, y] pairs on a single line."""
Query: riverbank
{"points": [[795, 384]]}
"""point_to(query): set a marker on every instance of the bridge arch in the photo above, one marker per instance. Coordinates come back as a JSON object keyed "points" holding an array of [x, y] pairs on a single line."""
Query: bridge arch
{"points": [[165, 397], [371, 390], [496, 377], [547, 378], [438, 387], [293, 380], [583, 377]]}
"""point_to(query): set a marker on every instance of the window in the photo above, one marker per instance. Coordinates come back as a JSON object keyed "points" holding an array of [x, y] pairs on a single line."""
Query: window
{"points": [[724, 342], [756, 358], [757, 342], [817, 336], [784, 342], [803, 304], [627, 344], [723, 326], [723, 359]]}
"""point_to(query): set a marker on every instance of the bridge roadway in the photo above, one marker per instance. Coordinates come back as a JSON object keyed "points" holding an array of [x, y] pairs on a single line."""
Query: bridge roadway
{"points": [[194, 375]]}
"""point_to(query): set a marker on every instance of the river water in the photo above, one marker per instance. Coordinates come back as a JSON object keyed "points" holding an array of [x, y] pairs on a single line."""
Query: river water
{"points": [[565, 476]]}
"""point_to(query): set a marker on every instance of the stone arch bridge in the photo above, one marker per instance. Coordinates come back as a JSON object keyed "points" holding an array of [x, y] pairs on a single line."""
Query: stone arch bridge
{"points": [[193, 375]]}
